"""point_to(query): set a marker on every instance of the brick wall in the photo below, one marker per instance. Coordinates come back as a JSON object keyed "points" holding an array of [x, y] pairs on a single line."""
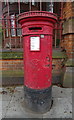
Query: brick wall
{"points": [[57, 64], [68, 45], [13, 71], [68, 10], [67, 42], [11, 64]]}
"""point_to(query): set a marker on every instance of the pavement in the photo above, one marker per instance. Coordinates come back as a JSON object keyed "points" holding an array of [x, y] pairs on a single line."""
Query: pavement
{"points": [[12, 104]]}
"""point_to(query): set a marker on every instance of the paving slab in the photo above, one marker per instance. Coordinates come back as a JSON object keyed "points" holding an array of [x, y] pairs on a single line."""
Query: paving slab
{"points": [[59, 92], [6, 94], [0, 103], [61, 109], [0, 109], [15, 108]]}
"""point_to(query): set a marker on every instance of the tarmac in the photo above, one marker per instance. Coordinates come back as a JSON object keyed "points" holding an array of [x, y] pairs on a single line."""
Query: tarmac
{"points": [[12, 104]]}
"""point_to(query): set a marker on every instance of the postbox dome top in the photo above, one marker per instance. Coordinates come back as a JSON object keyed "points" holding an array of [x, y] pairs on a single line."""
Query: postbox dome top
{"points": [[34, 14]]}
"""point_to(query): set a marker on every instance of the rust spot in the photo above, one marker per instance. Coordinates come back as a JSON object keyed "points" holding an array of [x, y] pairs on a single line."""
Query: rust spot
{"points": [[48, 59], [47, 65]]}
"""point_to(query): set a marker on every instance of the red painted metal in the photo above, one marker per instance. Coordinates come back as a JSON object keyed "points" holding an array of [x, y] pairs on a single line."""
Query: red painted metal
{"points": [[37, 64]]}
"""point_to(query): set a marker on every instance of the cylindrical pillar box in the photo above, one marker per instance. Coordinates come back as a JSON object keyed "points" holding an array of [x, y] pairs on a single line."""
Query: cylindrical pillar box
{"points": [[37, 31]]}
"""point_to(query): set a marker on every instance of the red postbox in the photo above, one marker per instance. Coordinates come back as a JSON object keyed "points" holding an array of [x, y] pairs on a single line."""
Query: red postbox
{"points": [[37, 31]]}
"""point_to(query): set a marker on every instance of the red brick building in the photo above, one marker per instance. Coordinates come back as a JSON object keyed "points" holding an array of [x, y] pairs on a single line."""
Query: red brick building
{"points": [[67, 42]]}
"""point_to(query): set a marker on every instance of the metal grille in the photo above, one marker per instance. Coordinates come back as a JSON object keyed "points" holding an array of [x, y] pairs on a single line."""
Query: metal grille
{"points": [[12, 36]]}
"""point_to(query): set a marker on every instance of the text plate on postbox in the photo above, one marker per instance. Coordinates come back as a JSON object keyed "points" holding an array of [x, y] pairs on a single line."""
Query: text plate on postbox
{"points": [[34, 43]]}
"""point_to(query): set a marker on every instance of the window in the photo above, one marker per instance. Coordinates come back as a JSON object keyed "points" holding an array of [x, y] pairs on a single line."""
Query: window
{"points": [[49, 7], [25, 1], [15, 28], [33, 2], [18, 30], [12, 1], [4, 3], [6, 27], [13, 32]]}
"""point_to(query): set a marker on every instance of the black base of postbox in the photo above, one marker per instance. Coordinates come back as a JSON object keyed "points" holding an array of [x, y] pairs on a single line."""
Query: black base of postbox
{"points": [[39, 101]]}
